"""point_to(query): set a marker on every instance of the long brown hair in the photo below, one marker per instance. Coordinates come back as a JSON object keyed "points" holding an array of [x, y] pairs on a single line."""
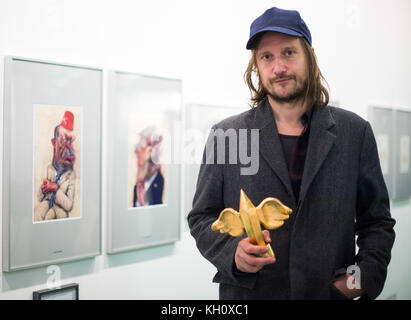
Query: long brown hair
{"points": [[316, 93]]}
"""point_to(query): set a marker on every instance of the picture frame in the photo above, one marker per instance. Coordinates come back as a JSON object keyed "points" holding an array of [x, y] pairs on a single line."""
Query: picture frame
{"points": [[382, 122], [402, 162], [392, 130], [140, 107], [58, 101], [66, 292]]}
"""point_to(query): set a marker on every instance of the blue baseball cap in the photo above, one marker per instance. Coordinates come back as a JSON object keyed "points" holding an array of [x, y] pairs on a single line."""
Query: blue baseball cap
{"points": [[278, 20]]}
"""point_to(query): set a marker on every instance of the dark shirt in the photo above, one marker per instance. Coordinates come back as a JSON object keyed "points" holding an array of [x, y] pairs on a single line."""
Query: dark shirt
{"points": [[295, 151], [288, 143]]}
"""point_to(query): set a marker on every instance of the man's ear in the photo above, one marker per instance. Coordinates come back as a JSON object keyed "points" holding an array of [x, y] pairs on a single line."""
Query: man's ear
{"points": [[53, 141], [312, 49]]}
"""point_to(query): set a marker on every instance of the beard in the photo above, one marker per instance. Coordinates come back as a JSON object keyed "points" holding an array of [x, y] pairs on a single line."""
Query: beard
{"points": [[295, 94], [61, 167], [64, 161]]}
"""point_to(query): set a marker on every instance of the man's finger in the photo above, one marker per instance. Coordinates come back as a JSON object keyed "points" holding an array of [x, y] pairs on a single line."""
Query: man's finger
{"points": [[266, 235], [258, 261], [251, 263], [244, 266], [254, 249]]}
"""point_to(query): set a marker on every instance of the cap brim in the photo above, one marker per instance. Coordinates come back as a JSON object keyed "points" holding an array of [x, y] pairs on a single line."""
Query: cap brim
{"points": [[251, 42]]}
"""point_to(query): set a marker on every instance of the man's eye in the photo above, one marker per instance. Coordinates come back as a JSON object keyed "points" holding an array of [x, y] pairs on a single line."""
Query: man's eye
{"points": [[266, 57], [289, 53]]}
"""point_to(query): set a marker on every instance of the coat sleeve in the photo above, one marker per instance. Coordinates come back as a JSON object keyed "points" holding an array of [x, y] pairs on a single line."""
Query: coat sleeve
{"points": [[208, 202], [374, 224]]}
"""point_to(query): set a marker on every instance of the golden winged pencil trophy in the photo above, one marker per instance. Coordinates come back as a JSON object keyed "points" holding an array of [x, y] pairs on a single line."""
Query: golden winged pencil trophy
{"points": [[270, 212]]}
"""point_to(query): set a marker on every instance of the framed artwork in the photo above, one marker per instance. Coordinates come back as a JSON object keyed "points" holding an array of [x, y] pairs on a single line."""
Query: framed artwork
{"points": [[66, 292], [402, 162], [144, 137], [199, 120], [392, 130], [382, 122], [52, 163], [57, 160]]}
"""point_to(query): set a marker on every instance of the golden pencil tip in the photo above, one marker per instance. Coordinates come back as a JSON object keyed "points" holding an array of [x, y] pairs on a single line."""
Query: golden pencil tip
{"points": [[245, 202]]}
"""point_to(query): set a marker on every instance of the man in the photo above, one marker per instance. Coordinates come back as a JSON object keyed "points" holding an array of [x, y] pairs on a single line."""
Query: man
{"points": [[56, 194], [150, 182], [320, 161]]}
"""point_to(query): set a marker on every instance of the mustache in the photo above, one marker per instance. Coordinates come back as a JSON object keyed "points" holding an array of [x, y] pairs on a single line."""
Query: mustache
{"points": [[283, 77], [68, 152]]}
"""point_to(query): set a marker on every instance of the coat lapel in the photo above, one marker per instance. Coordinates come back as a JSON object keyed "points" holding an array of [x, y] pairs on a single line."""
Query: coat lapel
{"points": [[65, 177], [320, 141], [270, 144]]}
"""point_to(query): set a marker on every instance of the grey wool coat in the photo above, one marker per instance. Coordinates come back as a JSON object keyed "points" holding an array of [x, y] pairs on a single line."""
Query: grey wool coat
{"points": [[342, 195]]}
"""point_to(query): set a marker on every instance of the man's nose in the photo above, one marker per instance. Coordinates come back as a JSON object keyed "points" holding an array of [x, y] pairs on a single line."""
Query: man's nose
{"points": [[279, 66], [69, 144]]}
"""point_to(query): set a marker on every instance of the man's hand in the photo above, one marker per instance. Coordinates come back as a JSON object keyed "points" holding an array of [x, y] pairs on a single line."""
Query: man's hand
{"points": [[341, 284], [49, 186], [247, 256]]}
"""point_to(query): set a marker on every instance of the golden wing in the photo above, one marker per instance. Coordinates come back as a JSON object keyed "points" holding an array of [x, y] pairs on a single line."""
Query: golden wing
{"points": [[229, 221], [272, 213]]}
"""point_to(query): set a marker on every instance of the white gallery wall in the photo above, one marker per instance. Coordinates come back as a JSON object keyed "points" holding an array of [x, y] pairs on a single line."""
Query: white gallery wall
{"points": [[363, 50]]}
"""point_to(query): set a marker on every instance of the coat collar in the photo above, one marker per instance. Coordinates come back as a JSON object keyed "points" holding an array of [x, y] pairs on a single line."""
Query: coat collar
{"points": [[321, 139]]}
